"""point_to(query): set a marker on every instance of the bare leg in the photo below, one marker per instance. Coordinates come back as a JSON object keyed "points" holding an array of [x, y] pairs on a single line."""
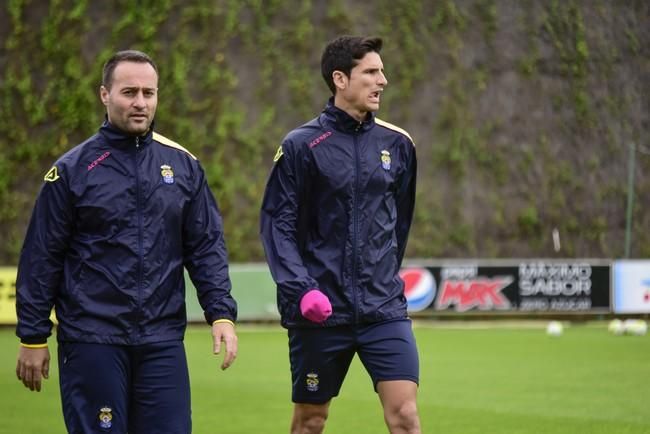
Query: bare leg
{"points": [[309, 418], [400, 409]]}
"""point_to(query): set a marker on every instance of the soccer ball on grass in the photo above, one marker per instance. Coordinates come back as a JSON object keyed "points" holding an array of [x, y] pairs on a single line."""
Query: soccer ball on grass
{"points": [[635, 327], [616, 327], [554, 328]]}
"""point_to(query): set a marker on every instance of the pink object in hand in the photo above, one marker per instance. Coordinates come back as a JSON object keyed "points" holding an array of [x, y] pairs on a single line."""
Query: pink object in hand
{"points": [[315, 306]]}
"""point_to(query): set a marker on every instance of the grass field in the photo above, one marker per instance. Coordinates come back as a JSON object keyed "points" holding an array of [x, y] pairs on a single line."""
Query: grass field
{"points": [[505, 379]]}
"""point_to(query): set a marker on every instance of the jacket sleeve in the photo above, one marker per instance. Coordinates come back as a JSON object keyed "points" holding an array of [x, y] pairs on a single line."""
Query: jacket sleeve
{"points": [[405, 201], [205, 255], [279, 227], [40, 267]]}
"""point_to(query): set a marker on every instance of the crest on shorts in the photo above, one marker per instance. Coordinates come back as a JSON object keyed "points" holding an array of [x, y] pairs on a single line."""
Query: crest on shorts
{"points": [[105, 417], [385, 159], [312, 382], [167, 174], [51, 175]]}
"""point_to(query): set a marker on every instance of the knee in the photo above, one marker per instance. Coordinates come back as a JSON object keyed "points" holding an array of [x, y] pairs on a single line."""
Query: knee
{"points": [[404, 418], [315, 424], [312, 422]]}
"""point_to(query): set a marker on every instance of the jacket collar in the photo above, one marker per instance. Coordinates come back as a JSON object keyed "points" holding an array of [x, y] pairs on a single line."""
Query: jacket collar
{"points": [[344, 122], [120, 139]]}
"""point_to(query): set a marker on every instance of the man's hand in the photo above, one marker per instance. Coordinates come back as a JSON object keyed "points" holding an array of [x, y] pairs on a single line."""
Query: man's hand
{"points": [[315, 306], [225, 332], [33, 365]]}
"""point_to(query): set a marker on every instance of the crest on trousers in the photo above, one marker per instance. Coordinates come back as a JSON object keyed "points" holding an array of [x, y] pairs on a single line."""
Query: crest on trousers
{"points": [[167, 174], [312, 382], [105, 417], [385, 159]]}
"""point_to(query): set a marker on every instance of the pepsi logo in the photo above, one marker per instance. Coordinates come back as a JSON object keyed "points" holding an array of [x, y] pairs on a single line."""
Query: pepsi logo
{"points": [[419, 288]]}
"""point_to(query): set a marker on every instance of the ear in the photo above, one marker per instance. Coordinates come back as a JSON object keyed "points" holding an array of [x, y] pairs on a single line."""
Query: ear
{"points": [[103, 94], [340, 80]]}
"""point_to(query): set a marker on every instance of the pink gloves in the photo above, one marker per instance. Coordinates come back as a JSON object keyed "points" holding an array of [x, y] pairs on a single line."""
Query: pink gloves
{"points": [[315, 306]]}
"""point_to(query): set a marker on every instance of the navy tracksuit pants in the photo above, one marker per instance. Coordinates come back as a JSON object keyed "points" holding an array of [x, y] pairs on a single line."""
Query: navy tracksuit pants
{"points": [[125, 389]]}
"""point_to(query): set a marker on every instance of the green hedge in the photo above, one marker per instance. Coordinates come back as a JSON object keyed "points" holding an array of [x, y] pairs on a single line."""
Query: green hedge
{"points": [[521, 111]]}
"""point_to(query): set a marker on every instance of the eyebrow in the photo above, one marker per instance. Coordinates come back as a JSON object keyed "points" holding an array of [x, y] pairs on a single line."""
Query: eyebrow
{"points": [[138, 87]]}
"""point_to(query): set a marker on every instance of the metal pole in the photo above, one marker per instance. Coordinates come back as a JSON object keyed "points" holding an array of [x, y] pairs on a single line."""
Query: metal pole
{"points": [[630, 198]]}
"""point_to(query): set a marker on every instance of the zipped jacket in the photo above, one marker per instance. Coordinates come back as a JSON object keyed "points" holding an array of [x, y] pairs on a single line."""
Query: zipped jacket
{"points": [[114, 224], [336, 215]]}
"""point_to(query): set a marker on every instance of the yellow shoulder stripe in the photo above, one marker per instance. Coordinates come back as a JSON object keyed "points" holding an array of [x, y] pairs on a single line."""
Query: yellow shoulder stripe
{"points": [[394, 128], [165, 141]]}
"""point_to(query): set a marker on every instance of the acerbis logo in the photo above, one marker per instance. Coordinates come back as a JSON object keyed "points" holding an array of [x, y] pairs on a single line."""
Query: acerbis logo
{"points": [[98, 160], [419, 288], [319, 139]]}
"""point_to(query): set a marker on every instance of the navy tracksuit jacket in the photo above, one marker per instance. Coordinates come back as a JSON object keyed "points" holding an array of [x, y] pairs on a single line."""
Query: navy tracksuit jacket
{"points": [[336, 216], [115, 222]]}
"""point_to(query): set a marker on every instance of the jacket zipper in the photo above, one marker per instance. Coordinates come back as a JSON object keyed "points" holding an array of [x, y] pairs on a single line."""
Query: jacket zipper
{"points": [[355, 222], [139, 214]]}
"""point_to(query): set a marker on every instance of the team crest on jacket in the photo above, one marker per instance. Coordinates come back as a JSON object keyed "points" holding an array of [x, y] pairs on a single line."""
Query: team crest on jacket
{"points": [[51, 175], [385, 159], [312, 382], [105, 417], [167, 174]]}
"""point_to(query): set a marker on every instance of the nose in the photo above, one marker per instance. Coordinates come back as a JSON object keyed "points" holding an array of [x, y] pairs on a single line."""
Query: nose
{"points": [[139, 100], [382, 79]]}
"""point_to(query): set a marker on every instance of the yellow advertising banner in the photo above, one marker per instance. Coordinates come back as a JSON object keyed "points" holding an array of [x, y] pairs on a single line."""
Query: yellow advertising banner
{"points": [[252, 287], [7, 295]]}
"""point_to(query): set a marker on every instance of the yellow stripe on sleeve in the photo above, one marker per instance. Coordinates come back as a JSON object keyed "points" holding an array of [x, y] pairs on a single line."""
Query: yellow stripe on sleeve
{"points": [[33, 345], [224, 320]]}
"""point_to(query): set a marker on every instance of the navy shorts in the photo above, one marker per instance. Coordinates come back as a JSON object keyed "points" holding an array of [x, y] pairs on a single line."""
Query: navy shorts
{"points": [[119, 389], [320, 357]]}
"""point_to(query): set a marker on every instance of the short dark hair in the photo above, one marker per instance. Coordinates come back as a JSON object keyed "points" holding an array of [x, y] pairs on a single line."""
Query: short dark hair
{"points": [[343, 54], [124, 56]]}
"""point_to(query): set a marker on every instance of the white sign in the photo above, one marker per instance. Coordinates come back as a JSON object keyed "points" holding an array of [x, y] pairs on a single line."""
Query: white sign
{"points": [[631, 286]]}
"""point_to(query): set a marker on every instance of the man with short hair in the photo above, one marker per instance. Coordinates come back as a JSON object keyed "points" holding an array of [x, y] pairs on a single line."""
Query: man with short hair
{"points": [[116, 221], [334, 223]]}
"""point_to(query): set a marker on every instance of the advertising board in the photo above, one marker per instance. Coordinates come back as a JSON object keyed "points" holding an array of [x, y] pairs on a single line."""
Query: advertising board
{"points": [[507, 286], [631, 281]]}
